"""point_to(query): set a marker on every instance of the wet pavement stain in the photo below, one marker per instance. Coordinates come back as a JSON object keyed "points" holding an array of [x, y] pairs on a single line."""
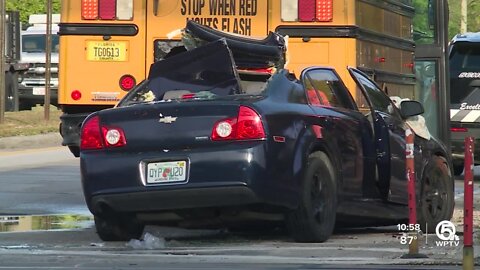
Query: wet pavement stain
{"points": [[47, 222]]}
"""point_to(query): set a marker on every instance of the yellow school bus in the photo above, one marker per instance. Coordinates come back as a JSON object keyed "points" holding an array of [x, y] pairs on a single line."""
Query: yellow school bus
{"points": [[107, 46]]}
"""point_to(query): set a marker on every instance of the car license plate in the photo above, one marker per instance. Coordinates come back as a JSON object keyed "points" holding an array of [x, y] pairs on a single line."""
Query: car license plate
{"points": [[166, 172], [108, 51], [38, 91]]}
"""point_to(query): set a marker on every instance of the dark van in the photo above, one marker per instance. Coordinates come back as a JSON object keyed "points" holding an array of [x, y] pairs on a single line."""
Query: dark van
{"points": [[464, 57]]}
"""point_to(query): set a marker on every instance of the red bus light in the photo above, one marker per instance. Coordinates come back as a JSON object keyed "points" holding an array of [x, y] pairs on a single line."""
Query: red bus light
{"points": [[127, 82], [306, 10], [76, 95], [107, 9], [89, 9], [324, 10]]}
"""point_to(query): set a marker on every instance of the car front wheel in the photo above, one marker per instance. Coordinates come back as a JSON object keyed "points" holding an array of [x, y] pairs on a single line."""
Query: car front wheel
{"points": [[118, 228], [314, 219], [436, 198]]}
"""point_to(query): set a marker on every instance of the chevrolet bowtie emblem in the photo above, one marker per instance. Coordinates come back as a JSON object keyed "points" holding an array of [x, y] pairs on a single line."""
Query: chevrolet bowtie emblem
{"points": [[167, 119]]}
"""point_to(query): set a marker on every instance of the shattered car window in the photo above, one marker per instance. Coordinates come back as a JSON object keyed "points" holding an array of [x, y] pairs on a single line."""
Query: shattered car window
{"points": [[205, 72]]}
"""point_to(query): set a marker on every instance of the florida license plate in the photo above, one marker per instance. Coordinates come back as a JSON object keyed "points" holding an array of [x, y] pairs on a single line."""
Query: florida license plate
{"points": [[107, 51], [38, 91], [166, 172]]}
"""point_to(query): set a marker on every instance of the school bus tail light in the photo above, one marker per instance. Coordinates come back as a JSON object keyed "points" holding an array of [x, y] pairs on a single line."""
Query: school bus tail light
{"points": [[124, 9], [127, 82], [324, 10], [89, 9], [307, 10], [107, 9], [76, 95]]}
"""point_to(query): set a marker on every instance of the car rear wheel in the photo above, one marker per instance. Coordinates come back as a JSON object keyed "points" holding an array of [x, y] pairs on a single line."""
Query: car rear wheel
{"points": [[118, 228], [436, 199], [314, 219]]}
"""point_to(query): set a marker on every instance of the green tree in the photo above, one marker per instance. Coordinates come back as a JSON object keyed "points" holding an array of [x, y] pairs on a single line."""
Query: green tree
{"points": [[28, 7], [473, 17]]}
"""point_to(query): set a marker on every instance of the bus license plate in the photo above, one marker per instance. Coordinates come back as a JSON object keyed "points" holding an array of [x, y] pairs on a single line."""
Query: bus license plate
{"points": [[166, 172], [108, 51]]}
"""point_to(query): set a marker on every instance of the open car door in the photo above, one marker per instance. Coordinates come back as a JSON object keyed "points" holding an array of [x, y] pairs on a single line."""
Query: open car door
{"points": [[389, 131]]}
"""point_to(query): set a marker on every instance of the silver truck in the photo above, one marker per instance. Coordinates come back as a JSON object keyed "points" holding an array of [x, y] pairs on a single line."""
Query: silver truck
{"points": [[31, 85]]}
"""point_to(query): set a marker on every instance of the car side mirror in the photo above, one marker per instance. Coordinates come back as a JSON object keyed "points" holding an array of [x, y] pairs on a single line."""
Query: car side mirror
{"points": [[410, 108]]}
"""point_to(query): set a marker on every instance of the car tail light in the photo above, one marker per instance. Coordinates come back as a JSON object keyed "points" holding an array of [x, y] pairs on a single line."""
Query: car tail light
{"points": [[246, 126], [76, 95], [307, 10], [114, 137], [127, 82], [95, 136], [458, 129], [90, 137]]}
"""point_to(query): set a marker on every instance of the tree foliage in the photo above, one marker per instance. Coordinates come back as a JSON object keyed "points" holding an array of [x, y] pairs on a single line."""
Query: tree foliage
{"points": [[28, 7], [473, 17]]}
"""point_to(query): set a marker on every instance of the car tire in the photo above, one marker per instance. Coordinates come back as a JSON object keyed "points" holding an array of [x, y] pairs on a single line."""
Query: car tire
{"points": [[436, 196], [118, 229], [75, 150], [458, 169], [314, 219]]}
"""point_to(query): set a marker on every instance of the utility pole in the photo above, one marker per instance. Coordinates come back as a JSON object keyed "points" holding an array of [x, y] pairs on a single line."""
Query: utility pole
{"points": [[2, 61], [48, 53], [463, 16]]}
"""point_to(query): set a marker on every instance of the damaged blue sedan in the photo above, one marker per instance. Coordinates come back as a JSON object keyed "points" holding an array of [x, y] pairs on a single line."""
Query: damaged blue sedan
{"points": [[212, 138]]}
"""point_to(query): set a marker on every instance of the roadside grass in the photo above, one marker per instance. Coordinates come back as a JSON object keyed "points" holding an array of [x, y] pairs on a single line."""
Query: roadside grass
{"points": [[30, 122]]}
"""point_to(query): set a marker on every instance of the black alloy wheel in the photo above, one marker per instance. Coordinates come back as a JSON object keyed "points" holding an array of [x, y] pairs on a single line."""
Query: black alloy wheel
{"points": [[314, 219], [436, 198]]}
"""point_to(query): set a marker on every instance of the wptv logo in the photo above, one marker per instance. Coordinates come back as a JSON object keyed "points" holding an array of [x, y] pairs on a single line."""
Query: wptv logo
{"points": [[446, 232]]}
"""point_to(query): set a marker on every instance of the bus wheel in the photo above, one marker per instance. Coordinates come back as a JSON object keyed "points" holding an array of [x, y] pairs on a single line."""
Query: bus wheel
{"points": [[436, 197], [314, 219]]}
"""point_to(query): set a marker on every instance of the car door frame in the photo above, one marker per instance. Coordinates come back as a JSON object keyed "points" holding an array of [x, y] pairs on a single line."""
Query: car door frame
{"points": [[389, 132]]}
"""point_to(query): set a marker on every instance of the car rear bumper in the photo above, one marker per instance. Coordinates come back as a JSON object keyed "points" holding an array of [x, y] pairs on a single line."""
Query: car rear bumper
{"points": [[174, 199], [231, 175]]}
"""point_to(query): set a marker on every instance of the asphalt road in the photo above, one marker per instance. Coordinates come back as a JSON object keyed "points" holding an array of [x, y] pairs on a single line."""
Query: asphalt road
{"points": [[41, 197]]}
